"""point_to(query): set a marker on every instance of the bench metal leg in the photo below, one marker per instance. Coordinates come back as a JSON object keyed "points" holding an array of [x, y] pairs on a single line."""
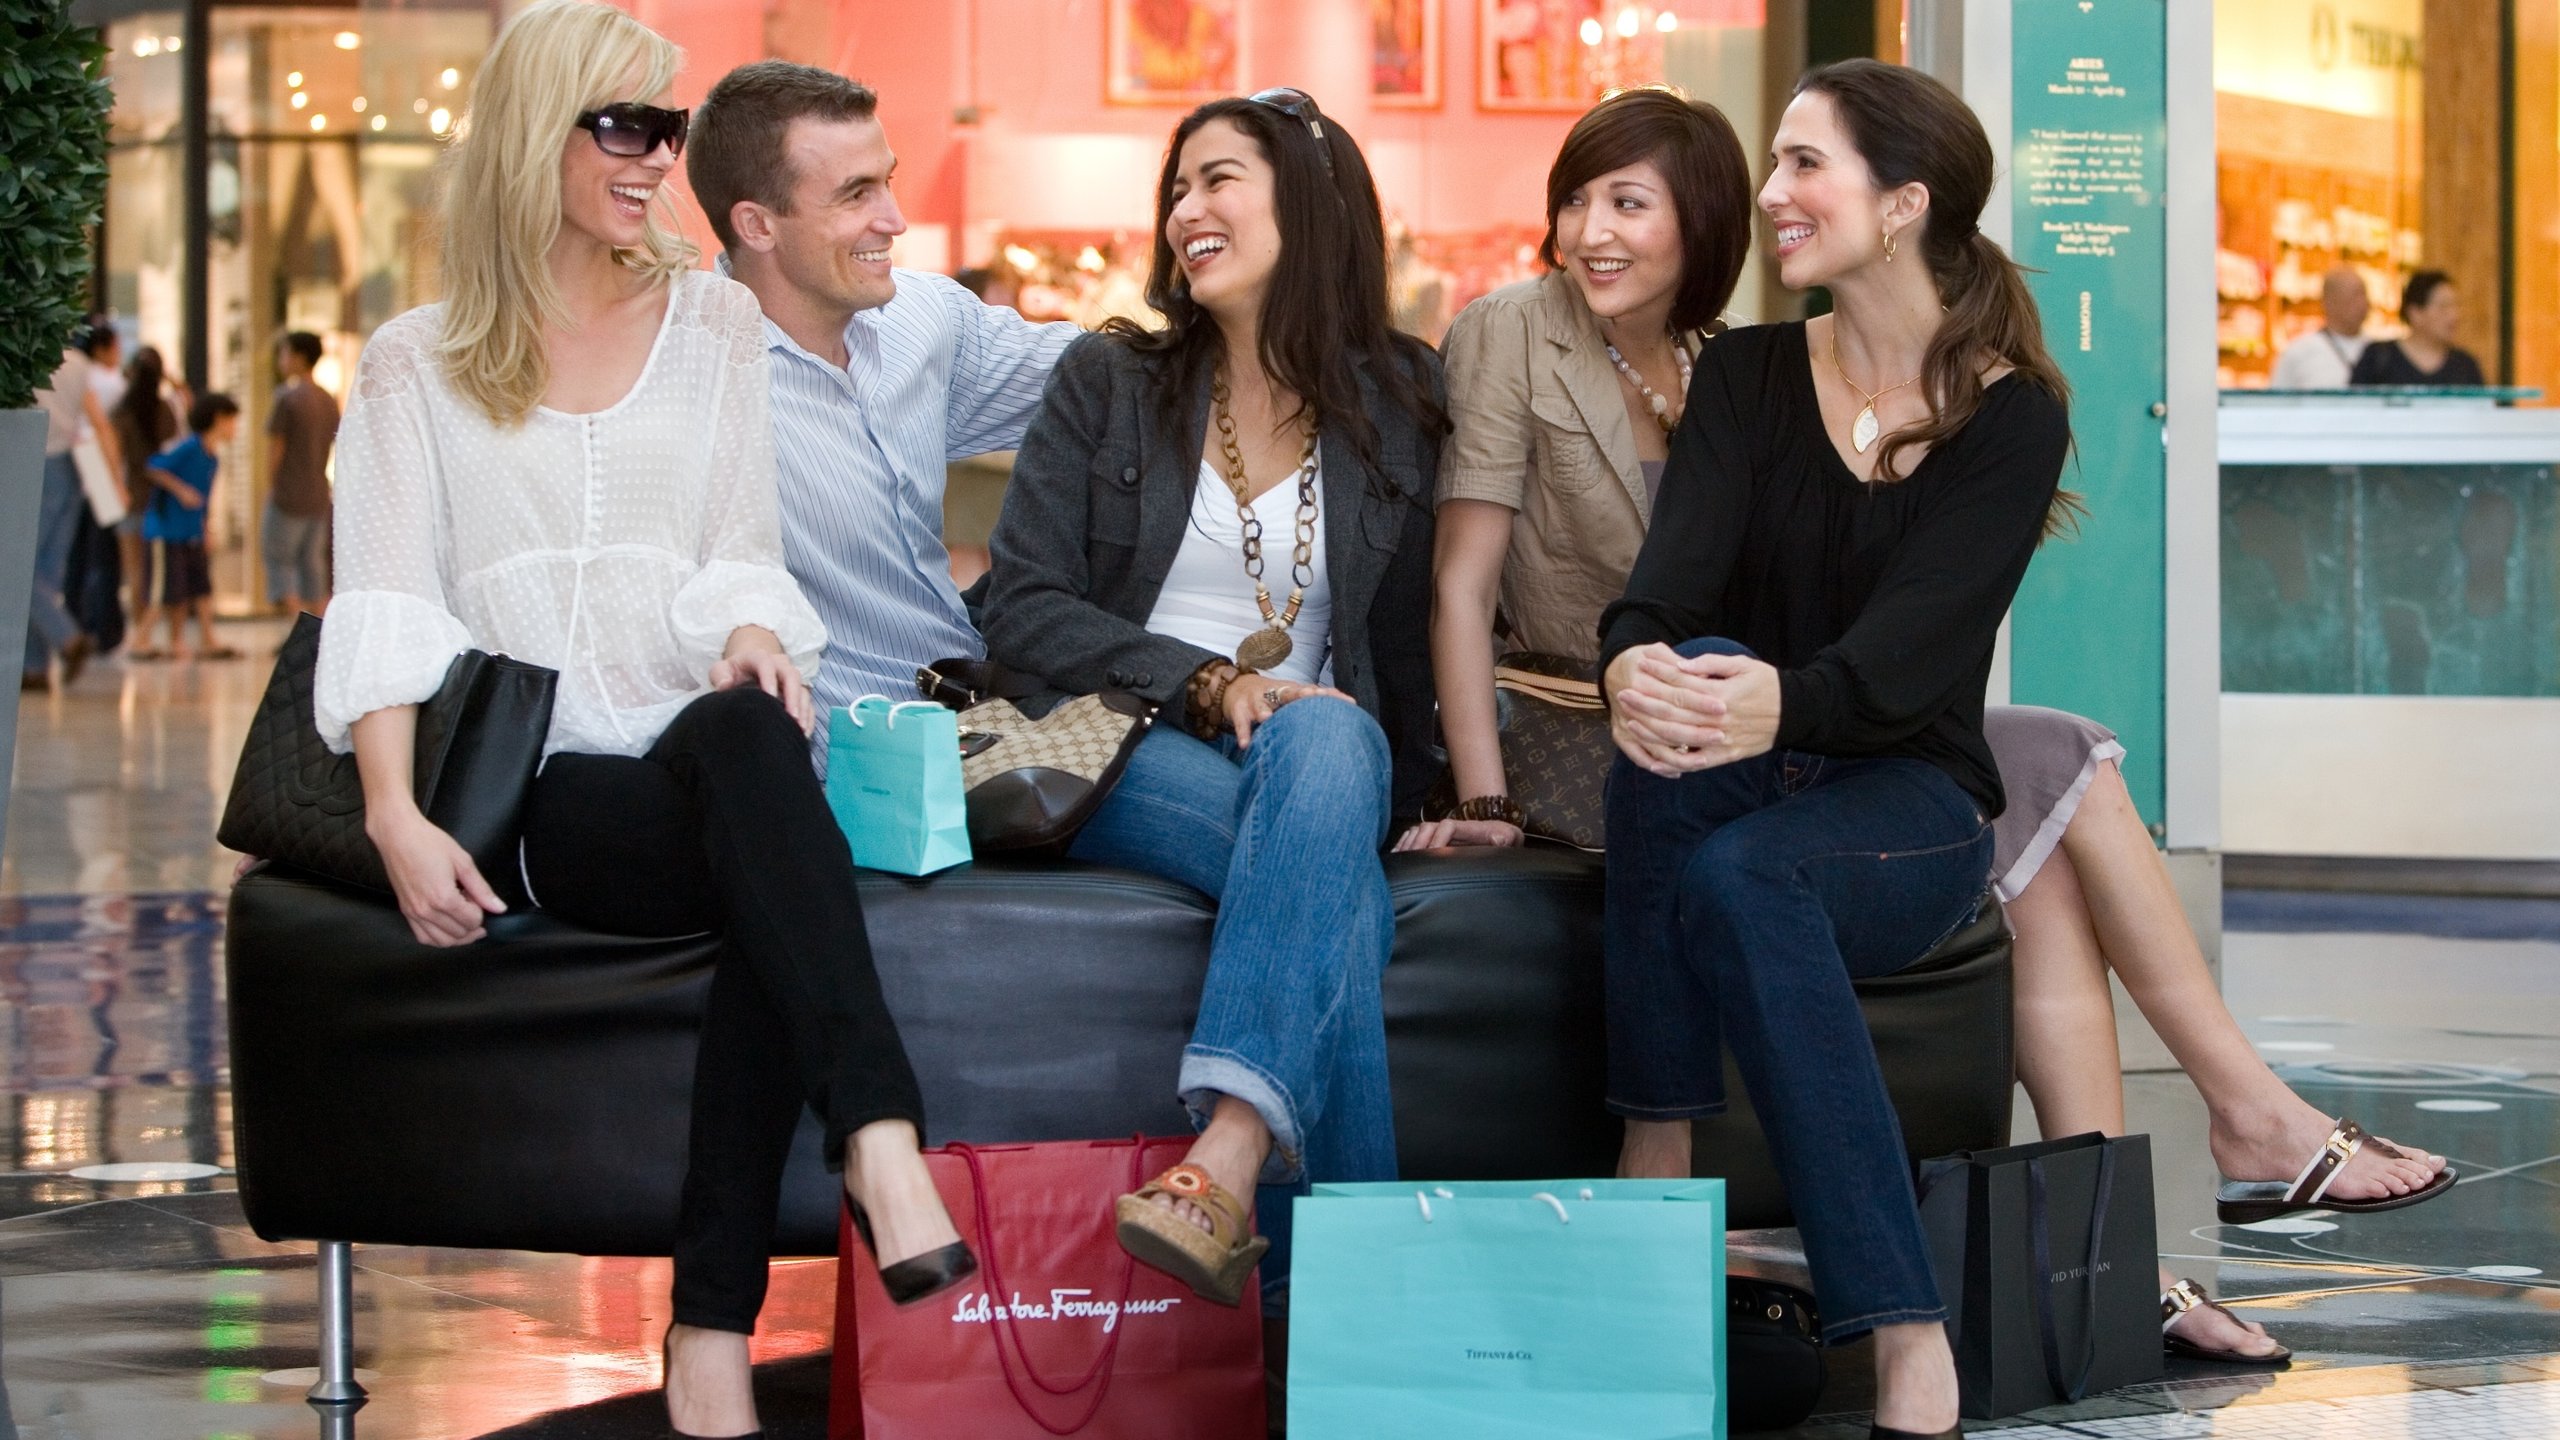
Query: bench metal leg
{"points": [[337, 1383]]}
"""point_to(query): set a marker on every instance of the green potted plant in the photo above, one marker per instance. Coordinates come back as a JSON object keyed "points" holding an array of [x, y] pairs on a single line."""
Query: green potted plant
{"points": [[53, 183]]}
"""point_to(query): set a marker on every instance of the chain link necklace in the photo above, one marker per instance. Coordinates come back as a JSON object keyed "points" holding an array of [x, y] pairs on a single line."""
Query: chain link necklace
{"points": [[1269, 645], [1660, 404], [1862, 431]]}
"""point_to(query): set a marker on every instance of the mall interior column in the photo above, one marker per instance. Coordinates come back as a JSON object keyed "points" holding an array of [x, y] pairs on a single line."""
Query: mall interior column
{"points": [[2464, 96]]}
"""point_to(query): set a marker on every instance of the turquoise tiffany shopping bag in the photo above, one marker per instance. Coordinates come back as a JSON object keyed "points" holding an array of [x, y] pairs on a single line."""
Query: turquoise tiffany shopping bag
{"points": [[1547, 1309], [893, 781]]}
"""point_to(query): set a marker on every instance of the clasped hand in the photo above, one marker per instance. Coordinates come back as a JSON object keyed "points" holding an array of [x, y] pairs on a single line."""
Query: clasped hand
{"points": [[1674, 715]]}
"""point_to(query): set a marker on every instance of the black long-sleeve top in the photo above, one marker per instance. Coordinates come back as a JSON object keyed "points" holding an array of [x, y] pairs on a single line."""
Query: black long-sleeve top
{"points": [[1878, 603]]}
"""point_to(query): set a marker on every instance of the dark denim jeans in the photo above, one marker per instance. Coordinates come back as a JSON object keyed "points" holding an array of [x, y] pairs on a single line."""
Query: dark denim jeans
{"points": [[1741, 903]]}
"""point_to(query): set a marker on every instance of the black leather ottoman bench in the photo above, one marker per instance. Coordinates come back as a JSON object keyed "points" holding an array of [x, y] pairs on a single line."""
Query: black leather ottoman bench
{"points": [[531, 1092]]}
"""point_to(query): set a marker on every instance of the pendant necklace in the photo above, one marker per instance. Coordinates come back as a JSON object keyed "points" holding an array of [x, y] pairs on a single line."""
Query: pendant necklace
{"points": [[1862, 431], [1269, 645], [1660, 404]]}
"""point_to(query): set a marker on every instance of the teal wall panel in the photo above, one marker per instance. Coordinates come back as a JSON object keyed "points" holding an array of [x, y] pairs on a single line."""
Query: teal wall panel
{"points": [[2088, 159], [2390, 580]]}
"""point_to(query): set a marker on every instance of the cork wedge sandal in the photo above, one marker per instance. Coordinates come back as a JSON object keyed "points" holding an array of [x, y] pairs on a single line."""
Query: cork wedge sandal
{"points": [[1213, 1262]]}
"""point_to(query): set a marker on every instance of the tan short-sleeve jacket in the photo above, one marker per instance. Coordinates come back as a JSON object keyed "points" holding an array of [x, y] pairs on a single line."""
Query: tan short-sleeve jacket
{"points": [[1542, 429]]}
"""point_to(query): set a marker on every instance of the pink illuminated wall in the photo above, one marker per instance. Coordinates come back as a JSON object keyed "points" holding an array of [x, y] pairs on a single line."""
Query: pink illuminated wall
{"points": [[996, 107]]}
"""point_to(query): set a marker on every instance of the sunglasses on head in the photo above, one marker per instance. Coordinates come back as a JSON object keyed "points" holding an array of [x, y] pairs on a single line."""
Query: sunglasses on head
{"points": [[632, 130], [1300, 106]]}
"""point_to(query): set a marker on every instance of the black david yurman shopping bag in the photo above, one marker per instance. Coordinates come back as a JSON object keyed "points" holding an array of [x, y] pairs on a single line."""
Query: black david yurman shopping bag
{"points": [[2048, 1263]]}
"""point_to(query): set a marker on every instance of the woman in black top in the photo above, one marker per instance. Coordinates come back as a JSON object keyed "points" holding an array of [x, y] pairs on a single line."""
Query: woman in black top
{"points": [[2427, 354], [1796, 677]]}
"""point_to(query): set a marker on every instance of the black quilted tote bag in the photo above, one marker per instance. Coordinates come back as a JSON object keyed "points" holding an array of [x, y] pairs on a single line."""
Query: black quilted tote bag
{"points": [[479, 742]]}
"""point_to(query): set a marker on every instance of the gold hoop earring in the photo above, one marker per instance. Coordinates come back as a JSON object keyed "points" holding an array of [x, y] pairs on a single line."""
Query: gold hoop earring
{"points": [[1888, 244]]}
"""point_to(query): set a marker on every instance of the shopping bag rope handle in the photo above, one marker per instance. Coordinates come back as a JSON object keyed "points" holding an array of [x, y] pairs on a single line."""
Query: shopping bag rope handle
{"points": [[853, 712], [1445, 1193], [1000, 1303], [2040, 1226]]}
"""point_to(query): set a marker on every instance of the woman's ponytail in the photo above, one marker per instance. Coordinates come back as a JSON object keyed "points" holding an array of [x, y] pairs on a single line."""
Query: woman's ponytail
{"points": [[1910, 128]]}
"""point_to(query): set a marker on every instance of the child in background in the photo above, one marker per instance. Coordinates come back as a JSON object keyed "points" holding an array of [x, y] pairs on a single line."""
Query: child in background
{"points": [[178, 580]]}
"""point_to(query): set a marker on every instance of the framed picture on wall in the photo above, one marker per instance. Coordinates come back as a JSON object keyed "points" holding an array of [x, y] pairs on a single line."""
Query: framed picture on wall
{"points": [[1172, 52], [1534, 54], [1405, 72]]}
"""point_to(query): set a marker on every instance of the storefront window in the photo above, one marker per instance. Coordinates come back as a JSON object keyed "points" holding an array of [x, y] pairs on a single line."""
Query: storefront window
{"points": [[2320, 118], [326, 127]]}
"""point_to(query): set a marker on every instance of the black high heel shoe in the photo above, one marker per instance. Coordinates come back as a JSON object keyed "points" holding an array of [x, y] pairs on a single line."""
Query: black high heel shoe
{"points": [[918, 1277]]}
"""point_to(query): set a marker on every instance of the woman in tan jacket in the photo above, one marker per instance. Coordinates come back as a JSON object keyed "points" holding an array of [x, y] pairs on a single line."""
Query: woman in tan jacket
{"points": [[1564, 391]]}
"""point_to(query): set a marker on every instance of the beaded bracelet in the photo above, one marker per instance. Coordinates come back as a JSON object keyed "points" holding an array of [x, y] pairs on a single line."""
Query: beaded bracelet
{"points": [[1492, 807], [1205, 708]]}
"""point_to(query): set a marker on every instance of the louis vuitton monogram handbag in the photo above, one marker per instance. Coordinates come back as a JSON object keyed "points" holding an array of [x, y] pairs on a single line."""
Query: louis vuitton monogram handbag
{"points": [[1556, 748]]}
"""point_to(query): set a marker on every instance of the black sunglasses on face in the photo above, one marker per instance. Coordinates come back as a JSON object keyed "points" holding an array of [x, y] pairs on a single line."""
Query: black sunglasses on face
{"points": [[632, 130], [1300, 106]]}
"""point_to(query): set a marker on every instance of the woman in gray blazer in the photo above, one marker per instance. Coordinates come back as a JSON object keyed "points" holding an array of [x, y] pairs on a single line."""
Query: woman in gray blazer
{"points": [[1230, 515]]}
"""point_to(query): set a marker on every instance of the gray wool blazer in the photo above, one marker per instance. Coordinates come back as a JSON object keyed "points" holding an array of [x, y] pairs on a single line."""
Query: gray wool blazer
{"points": [[1095, 513]]}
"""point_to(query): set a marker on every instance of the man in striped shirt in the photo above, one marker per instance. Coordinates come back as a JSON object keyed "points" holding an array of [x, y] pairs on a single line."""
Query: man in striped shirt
{"points": [[879, 380], [880, 377]]}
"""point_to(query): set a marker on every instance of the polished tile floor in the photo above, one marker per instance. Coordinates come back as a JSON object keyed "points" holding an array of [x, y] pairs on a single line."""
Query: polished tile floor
{"points": [[136, 1305]]}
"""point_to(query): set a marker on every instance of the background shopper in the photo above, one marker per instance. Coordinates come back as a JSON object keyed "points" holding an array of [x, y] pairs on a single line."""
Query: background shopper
{"points": [[177, 574], [294, 534], [2326, 358], [2432, 309]]}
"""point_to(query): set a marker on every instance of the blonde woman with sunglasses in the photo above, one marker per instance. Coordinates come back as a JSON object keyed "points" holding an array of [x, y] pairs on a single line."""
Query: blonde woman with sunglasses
{"points": [[569, 460]]}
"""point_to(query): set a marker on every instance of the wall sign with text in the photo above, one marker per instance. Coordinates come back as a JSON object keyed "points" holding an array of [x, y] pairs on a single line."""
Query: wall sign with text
{"points": [[2088, 162]]}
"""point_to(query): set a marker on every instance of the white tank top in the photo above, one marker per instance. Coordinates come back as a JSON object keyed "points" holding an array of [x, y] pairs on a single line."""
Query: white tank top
{"points": [[1207, 598]]}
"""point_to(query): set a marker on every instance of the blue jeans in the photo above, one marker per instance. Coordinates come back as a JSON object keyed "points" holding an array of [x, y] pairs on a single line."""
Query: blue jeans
{"points": [[1284, 835], [1741, 903], [49, 623]]}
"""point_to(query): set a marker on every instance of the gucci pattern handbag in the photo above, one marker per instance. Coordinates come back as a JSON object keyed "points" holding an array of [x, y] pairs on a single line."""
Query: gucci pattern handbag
{"points": [[1032, 784]]}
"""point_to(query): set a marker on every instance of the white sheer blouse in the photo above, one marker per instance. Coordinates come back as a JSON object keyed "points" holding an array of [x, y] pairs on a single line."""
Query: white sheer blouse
{"points": [[620, 548]]}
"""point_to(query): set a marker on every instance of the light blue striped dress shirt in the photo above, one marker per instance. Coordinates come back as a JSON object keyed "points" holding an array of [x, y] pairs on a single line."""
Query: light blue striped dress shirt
{"points": [[935, 375]]}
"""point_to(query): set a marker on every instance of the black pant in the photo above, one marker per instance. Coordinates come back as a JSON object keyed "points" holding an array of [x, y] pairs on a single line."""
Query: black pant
{"points": [[723, 827]]}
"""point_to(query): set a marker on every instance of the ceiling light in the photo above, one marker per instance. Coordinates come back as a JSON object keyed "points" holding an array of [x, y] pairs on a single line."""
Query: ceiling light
{"points": [[359, 104], [146, 45], [381, 122], [1591, 31], [451, 77], [1629, 22], [293, 79], [319, 122], [1666, 22], [301, 99], [348, 40], [441, 120]]}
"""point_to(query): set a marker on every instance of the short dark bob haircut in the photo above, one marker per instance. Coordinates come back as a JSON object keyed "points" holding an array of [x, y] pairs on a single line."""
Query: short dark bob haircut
{"points": [[2422, 287], [1700, 158]]}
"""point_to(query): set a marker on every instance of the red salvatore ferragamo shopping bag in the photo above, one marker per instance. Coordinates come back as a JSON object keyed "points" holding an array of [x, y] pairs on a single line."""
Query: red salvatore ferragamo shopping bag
{"points": [[1059, 1332]]}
